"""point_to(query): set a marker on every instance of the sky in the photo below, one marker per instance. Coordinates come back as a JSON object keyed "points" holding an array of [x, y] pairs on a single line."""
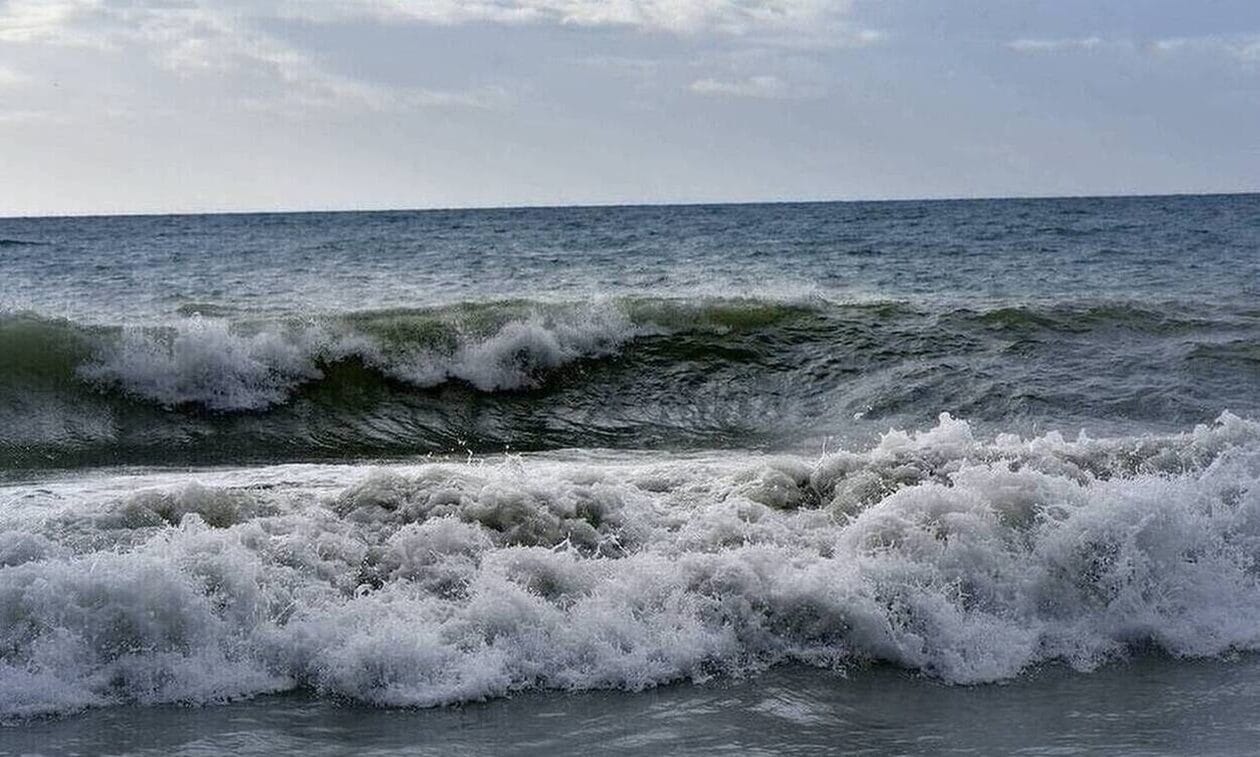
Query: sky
{"points": [[121, 106]]}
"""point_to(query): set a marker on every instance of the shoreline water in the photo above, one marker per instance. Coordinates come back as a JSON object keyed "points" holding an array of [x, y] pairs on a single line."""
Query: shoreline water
{"points": [[1144, 706], [966, 558]]}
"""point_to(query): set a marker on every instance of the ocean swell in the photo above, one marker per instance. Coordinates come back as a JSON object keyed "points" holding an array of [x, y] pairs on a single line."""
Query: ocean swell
{"points": [[624, 372], [964, 558]]}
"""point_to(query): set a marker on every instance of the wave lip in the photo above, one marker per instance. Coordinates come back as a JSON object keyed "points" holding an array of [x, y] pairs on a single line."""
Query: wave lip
{"points": [[223, 366], [964, 558]]}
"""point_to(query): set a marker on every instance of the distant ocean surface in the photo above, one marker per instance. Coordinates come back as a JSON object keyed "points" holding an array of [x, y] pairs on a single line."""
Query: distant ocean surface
{"points": [[716, 478]]}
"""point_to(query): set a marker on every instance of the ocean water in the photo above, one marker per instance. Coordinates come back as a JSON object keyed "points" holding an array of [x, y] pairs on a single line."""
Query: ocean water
{"points": [[904, 476]]}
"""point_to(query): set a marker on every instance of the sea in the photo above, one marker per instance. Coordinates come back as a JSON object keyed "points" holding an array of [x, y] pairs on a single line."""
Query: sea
{"points": [[914, 477]]}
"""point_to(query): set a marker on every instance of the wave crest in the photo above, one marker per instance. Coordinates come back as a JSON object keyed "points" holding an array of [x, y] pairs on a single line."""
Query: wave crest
{"points": [[628, 372], [224, 366]]}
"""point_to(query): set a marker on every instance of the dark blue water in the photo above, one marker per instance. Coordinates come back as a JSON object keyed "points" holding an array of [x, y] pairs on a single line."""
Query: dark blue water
{"points": [[422, 459]]}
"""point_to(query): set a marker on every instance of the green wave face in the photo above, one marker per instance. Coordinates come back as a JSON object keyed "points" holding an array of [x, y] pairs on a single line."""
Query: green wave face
{"points": [[639, 372]]}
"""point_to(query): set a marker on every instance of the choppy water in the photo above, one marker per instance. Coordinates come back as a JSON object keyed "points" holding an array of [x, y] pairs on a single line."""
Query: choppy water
{"points": [[443, 457]]}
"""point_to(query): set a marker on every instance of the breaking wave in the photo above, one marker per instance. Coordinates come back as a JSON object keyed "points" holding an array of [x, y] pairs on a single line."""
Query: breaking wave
{"points": [[963, 558], [627, 372]]}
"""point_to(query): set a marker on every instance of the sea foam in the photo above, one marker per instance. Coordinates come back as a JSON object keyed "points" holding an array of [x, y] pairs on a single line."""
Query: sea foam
{"points": [[226, 366], [964, 558]]}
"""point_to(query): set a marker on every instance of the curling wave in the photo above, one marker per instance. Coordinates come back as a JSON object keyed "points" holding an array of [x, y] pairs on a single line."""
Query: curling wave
{"points": [[627, 372]]}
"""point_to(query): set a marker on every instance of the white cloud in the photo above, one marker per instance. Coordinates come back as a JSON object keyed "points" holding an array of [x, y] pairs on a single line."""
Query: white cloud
{"points": [[619, 63], [11, 78], [1032, 45], [764, 87], [1241, 47], [29, 116], [218, 40], [60, 21], [1244, 48], [736, 17], [224, 40], [46, 21]]}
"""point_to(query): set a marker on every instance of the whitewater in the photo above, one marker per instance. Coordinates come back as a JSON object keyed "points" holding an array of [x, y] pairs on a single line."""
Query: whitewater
{"points": [[444, 582]]}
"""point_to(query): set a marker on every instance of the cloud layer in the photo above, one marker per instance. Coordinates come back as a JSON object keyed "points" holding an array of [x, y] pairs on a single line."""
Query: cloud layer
{"points": [[735, 17], [188, 104]]}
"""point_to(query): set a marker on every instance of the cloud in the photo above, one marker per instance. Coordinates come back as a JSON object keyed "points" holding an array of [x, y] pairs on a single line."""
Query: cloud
{"points": [[816, 24], [229, 41], [1244, 48], [58, 20], [50, 21], [217, 40], [765, 87], [11, 78], [1241, 47], [733, 17], [619, 63], [30, 116], [1030, 45]]}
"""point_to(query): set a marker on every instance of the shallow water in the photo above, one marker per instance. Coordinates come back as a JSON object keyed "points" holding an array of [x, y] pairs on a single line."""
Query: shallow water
{"points": [[1150, 706]]}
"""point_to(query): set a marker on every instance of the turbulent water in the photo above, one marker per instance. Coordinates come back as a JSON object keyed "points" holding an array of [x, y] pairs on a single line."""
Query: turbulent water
{"points": [[437, 457]]}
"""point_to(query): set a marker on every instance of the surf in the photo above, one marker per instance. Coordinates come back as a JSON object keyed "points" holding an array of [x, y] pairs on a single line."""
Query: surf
{"points": [[964, 558]]}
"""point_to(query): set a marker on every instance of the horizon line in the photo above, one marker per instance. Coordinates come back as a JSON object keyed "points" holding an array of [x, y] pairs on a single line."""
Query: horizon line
{"points": [[616, 205]]}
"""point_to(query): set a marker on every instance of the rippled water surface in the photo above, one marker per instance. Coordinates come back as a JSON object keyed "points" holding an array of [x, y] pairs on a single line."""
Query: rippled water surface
{"points": [[1151, 707]]}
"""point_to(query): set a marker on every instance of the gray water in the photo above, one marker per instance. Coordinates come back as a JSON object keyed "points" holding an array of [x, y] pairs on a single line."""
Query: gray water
{"points": [[633, 478], [1147, 707], [150, 267]]}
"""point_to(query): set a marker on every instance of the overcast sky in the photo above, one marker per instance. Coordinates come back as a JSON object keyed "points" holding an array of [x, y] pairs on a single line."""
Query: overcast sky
{"points": [[183, 105]]}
